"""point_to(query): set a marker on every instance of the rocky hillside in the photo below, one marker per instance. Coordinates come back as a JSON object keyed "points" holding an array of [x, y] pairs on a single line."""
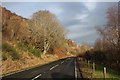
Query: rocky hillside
{"points": [[14, 27]]}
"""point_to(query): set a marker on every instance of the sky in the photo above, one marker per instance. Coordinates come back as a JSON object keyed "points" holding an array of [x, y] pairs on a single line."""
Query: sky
{"points": [[78, 18]]}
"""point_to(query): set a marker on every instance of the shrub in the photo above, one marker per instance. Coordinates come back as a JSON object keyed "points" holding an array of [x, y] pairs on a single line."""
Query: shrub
{"points": [[88, 55], [15, 55], [8, 48], [73, 53], [99, 56], [35, 51], [4, 57], [28, 47], [22, 46]]}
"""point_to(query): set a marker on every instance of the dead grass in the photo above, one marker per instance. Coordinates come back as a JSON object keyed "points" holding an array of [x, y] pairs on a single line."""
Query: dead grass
{"points": [[88, 72], [27, 60]]}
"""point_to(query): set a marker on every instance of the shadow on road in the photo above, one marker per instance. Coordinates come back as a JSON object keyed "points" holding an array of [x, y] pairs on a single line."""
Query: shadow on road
{"points": [[58, 75]]}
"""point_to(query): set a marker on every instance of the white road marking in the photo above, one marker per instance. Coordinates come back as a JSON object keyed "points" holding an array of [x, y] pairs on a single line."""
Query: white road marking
{"points": [[37, 76], [75, 71], [54, 67], [62, 62]]}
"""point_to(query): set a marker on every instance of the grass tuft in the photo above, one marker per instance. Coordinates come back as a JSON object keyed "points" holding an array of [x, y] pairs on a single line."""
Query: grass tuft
{"points": [[7, 48], [28, 47], [36, 52], [73, 53]]}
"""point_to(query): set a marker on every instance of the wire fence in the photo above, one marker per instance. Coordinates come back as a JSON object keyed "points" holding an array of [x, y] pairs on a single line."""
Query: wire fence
{"points": [[91, 71]]}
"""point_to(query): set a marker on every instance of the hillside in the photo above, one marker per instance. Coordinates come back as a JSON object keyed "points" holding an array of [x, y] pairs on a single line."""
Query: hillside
{"points": [[14, 27], [19, 51]]}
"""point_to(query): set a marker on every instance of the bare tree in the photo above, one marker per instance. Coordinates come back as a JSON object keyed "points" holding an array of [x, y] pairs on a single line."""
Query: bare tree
{"points": [[109, 40], [109, 34], [46, 28]]}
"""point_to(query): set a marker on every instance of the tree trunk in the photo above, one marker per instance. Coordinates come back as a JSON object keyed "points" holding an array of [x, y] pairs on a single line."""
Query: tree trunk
{"points": [[44, 52], [46, 48]]}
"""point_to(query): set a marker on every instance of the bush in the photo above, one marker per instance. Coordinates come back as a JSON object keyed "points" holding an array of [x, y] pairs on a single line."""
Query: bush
{"points": [[88, 55], [4, 57], [73, 53], [8, 48], [99, 56], [15, 55], [28, 47], [21, 45], [36, 52]]}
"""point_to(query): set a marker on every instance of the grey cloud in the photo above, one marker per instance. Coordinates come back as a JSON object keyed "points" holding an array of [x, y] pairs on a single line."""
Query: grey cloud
{"points": [[67, 12], [74, 22], [88, 38], [70, 11]]}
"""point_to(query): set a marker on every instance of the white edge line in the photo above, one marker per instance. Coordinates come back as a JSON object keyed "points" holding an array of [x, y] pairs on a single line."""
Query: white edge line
{"points": [[75, 71]]}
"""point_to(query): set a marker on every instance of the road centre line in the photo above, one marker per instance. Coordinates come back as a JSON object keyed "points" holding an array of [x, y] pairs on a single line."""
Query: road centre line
{"points": [[54, 67], [45, 72], [37, 76]]}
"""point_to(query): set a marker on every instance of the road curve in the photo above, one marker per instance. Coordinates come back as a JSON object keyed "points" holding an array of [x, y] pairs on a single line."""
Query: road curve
{"points": [[60, 69]]}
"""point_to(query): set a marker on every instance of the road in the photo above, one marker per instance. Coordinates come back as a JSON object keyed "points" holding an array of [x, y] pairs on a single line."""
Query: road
{"points": [[60, 69]]}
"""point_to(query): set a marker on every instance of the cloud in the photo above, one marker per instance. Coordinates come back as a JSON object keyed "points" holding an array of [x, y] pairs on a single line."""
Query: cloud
{"points": [[90, 39], [73, 13], [79, 17], [80, 35], [90, 5]]}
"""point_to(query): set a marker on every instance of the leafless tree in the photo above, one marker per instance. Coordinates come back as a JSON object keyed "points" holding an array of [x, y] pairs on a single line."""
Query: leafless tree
{"points": [[47, 29], [109, 35]]}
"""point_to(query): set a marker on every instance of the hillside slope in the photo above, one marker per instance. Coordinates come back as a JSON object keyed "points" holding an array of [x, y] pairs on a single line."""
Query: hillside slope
{"points": [[17, 52]]}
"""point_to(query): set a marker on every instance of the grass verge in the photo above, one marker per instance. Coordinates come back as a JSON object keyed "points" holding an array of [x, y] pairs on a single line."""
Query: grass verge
{"points": [[88, 71]]}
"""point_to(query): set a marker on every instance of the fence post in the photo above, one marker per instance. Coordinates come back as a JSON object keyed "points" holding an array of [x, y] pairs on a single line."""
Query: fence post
{"points": [[88, 64], [104, 73], [93, 67]]}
